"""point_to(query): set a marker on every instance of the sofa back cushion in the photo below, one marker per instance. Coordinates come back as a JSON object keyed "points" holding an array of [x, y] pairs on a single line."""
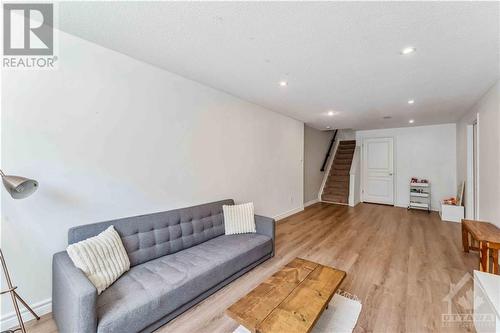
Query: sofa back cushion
{"points": [[151, 236]]}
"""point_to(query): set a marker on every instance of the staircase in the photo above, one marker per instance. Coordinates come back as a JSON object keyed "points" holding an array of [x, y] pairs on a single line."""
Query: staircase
{"points": [[336, 188]]}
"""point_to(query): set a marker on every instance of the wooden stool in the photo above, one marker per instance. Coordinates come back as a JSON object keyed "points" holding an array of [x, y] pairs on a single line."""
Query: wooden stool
{"points": [[488, 236]]}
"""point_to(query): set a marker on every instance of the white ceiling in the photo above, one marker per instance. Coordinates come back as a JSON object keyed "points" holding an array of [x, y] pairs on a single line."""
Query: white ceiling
{"points": [[341, 56]]}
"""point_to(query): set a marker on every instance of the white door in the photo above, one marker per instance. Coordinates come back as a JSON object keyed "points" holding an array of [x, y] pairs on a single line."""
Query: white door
{"points": [[378, 171]]}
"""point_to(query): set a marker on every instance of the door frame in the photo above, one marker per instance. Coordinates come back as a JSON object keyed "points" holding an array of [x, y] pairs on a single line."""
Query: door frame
{"points": [[472, 170], [470, 205], [477, 146], [394, 166]]}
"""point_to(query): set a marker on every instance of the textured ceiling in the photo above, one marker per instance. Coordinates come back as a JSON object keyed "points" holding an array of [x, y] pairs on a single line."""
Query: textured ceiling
{"points": [[341, 56]]}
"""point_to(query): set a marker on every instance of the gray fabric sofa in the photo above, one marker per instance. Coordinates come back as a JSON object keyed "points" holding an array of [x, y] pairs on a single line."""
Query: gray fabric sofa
{"points": [[178, 258]]}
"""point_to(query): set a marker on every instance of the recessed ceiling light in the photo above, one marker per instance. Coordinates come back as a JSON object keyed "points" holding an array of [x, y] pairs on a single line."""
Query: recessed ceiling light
{"points": [[411, 121], [283, 83], [330, 113], [408, 50], [411, 101], [328, 127]]}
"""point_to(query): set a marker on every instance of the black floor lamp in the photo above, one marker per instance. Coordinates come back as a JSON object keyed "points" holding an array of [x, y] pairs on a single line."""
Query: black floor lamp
{"points": [[18, 188]]}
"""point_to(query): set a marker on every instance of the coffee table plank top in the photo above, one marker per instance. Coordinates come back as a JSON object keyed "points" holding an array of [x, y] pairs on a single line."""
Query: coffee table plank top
{"points": [[260, 302], [289, 301], [303, 307]]}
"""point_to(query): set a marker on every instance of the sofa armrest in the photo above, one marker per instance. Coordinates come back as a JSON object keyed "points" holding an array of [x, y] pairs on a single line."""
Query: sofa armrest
{"points": [[266, 226], [74, 297]]}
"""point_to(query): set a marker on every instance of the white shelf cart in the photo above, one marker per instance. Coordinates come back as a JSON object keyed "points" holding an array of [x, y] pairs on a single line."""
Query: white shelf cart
{"points": [[420, 196]]}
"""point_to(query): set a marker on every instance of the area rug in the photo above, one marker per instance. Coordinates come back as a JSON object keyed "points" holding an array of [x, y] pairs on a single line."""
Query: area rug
{"points": [[340, 317]]}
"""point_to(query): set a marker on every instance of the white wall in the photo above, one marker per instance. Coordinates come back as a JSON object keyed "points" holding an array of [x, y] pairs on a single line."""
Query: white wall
{"points": [[355, 178], [486, 111], [346, 134], [316, 144], [424, 152], [107, 136]]}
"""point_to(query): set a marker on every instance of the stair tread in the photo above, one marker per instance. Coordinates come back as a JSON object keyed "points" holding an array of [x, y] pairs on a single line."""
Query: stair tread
{"points": [[341, 167], [334, 184], [336, 181], [338, 194], [334, 199], [335, 189], [342, 186], [343, 178]]}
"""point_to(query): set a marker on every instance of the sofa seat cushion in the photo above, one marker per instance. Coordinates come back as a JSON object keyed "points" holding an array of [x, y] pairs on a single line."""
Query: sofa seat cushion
{"points": [[152, 290]]}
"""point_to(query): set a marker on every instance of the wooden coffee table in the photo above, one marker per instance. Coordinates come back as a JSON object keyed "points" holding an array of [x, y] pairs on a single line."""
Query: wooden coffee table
{"points": [[290, 301]]}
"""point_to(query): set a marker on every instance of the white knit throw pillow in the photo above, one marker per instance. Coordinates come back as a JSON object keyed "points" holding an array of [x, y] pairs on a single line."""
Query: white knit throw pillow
{"points": [[239, 219], [102, 258]]}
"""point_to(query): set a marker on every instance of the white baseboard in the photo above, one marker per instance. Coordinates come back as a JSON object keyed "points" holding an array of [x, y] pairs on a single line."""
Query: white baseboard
{"points": [[9, 320], [309, 203], [290, 212]]}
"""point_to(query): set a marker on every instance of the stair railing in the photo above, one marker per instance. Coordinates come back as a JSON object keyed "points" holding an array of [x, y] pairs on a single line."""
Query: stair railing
{"points": [[325, 161], [328, 167]]}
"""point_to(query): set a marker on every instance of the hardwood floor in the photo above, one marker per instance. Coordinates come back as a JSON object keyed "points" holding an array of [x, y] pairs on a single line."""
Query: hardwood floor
{"points": [[399, 263]]}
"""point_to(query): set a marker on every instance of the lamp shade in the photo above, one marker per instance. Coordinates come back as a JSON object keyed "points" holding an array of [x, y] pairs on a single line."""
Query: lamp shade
{"points": [[19, 187]]}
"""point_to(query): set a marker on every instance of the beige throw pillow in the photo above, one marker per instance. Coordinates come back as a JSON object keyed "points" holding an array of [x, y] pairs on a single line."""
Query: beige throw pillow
{"points": [[239, 219], [102, 258]]}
